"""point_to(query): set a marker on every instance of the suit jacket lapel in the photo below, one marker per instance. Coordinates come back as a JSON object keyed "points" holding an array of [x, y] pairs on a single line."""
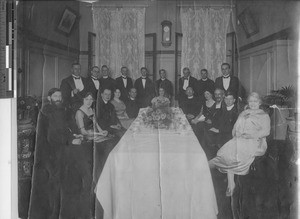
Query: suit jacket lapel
{"points": [[71, 82]]}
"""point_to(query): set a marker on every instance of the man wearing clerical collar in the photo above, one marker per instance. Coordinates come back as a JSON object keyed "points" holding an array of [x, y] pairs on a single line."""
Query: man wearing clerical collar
{"points": [[184, 82], [205, 83], [73, 88], [106, 115], [192, 105], [106, 81], [132, 108], [145, 89], [124, 83], [223, 133], [164, 83]]}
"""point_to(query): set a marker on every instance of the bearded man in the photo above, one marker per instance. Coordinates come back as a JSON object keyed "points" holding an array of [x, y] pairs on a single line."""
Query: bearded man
{"points": [[52, 137]]}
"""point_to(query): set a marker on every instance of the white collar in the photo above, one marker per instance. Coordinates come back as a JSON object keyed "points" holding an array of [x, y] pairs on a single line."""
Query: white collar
{"points": [[218, 105], [105, 101], [190, 97], [204, 79], [229, 107], [94, 78], [131, 98], [105, 77], [163, 79]]}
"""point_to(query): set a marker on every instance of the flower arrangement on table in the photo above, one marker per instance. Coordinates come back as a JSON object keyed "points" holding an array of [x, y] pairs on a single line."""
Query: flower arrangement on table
{"points": [[159, 118]]}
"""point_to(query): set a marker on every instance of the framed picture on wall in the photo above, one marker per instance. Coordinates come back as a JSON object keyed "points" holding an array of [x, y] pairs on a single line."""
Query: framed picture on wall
{"points": [[248, 22], [67, 21]]}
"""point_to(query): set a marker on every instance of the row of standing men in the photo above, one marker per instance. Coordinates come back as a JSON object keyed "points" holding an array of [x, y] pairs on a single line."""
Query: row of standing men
{"points": [[75, 87]]}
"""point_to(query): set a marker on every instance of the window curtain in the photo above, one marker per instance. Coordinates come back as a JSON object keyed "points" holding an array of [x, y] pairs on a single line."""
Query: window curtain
{"points": [[204, 39], [120, 39]]}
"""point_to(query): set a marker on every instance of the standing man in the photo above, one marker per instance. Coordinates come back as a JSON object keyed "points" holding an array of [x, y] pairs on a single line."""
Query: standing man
{"points": [[92, 82], [228, 82], [124, 83], [205, 84], [73, 88], [106, 82], [145, 89], [184, 82], [52, 137], [164, 83]]}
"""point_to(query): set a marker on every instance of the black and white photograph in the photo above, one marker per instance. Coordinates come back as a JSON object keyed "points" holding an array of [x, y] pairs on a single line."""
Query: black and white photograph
{"points": [[152, 109]]}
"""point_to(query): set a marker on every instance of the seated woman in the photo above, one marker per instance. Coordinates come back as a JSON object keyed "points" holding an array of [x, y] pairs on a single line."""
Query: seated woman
{"points": [[249, 140], [207, 108], [120, 108], [85, 119], [199, 122], [78, 166], [161, 100]]}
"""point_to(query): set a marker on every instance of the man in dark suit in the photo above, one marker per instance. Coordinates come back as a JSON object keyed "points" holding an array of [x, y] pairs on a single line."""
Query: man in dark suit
{"points": [[106, 116], [92, 82], [205, 84], [145, 89], [186, 81], [192, 105], [228, 82], [132, 108], [164, 83], [106, 82], [124, 83], [73, 88]]}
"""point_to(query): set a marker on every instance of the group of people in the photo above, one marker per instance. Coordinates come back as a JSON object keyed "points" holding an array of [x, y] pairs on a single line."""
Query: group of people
{"points": [[94, 112]]}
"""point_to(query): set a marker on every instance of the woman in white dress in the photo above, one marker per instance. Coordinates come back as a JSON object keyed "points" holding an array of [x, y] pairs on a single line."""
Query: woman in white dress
{"points": [[249, 140]]}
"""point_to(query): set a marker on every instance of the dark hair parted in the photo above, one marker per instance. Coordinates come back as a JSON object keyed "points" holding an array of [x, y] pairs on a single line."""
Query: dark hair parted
{"points": [[53, 90], [225, 63]]}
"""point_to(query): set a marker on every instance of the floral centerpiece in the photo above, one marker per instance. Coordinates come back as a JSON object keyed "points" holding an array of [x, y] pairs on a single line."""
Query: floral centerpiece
{"points": [[158, 117]]}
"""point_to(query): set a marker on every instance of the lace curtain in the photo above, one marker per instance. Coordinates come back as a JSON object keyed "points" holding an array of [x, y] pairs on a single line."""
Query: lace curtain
{"points": [[120, 39], [204, 39]]}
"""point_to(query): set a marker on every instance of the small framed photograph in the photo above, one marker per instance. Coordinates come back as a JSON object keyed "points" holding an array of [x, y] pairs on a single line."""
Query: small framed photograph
{"points": [[67, 21]]}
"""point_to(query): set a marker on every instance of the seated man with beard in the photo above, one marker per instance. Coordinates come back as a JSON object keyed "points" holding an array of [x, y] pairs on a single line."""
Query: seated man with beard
{"points": [[53, 135]]}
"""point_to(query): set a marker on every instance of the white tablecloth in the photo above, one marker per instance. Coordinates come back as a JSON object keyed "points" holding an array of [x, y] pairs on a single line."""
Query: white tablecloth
{"points": [[153, 174]]}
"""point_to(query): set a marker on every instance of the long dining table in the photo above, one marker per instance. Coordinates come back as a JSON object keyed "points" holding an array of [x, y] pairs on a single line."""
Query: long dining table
{"points": [[157, 173]]}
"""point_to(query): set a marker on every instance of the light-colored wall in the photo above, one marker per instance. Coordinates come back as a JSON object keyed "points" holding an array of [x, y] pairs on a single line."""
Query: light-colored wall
{"points": [[273, 63], [270, 17]]}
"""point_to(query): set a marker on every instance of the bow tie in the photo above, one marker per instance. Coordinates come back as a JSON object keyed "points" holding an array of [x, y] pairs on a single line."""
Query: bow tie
{"points": [[143, 78], [76, 77], [124, 77], [185, 79], [228, 76]]}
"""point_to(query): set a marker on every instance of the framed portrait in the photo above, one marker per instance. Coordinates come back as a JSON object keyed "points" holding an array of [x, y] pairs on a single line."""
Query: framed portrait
{"points": [[248, 22], [67, 21]]}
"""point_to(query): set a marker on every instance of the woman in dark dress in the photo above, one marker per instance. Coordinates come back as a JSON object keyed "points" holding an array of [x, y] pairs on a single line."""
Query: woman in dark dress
{"points": [[206, 113]]}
